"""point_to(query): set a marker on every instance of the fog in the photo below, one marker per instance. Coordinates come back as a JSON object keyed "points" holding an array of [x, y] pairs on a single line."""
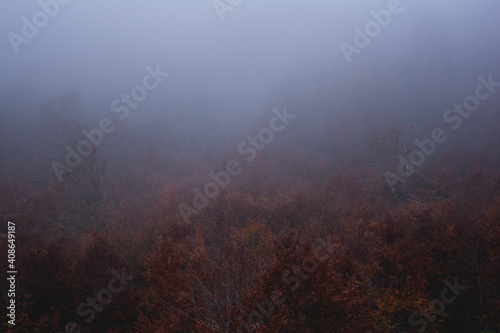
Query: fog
{"points": [[215, 131], [229, 65]]}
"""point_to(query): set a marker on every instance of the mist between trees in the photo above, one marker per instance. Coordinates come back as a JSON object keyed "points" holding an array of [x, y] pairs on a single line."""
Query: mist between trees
{"points": [[250, 166]]}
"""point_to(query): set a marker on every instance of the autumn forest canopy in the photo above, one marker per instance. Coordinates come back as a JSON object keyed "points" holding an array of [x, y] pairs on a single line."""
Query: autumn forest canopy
{"points": [[237, 166]]}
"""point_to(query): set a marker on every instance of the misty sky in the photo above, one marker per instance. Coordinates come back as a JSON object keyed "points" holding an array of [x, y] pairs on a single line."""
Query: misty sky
{"points": [[232, 67], [102, 47]]}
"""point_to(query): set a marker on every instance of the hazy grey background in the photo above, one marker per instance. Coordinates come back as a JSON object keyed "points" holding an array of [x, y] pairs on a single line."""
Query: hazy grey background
{"points": [[225, 74]]}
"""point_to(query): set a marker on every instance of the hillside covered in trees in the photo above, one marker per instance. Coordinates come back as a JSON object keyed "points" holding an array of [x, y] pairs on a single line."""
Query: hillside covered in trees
{"points": [[309, 186]]}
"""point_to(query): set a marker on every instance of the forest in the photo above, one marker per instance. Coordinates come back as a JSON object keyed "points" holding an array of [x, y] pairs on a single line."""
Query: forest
{"points": [[245, 166]]}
